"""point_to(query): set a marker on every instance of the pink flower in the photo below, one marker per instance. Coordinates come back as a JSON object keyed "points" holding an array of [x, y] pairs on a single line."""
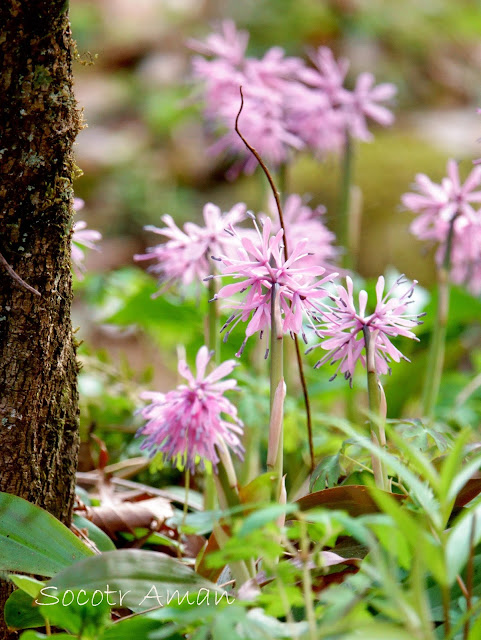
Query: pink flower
{"points": [[287, 106], [363, 102], [260, 266], [348, 110], [446, 215], [185, 256], [263, 122], [318, 122], [229, 45], [82, 237], [265, 84], [329, 74], [186, 424], [342, 326], [304, 223], [438, 204], [465, 258]]}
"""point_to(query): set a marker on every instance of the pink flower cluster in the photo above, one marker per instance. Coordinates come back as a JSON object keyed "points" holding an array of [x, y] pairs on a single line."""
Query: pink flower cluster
{"points": [[185, 257], [342, 327], [186, 424], [82, 237], [449, 215], [260, 267], [287, 105], [303, 223]]}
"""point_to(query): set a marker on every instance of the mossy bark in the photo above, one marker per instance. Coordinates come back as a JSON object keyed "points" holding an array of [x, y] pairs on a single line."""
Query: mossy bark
{"points": [[39, 121]]}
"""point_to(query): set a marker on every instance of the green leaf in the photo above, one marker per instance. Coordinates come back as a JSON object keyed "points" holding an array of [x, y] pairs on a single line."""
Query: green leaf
{"points": [[326, 473], [475, 631], [33, 541], [27, 584], [83, 613], [378, 631], [21, 612], [458, 544], [138, 627], [259, 490], [415, 533], [137, 579], [35, 635], [98, 537], [259, 518]]}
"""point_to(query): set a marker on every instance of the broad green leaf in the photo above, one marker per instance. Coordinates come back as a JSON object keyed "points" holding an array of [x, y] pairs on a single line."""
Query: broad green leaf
{"points": [[81, 612], [258, 490], [326, 473], [138, 628], [27, 584], [98, 537], [33, 541], [21, 612], [467, 526], [136, 579]]}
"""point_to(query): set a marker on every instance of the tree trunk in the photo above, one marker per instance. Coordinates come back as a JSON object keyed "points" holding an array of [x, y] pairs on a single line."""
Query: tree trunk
{"points": [[39, 121]]}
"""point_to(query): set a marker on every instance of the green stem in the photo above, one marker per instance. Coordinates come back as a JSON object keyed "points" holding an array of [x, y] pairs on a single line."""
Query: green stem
{"points": [[276, 378], [343, 221], [186, 500], [213, 326], [437, 348], [283, 179], [375, 409], [307, 581], [213, 343], [435, 364]]}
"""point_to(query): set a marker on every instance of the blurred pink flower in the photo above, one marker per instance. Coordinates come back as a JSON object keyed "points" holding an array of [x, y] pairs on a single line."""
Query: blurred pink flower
{"points": [[185, 257], [186, 424], [287, 105], [82, 237], [446, 215], [342, 327], [438, 204], [329, 74], [465, 258], [319, 123], [363, 102], [346, 111], [265, 83], [229, 45], [259, 266]]}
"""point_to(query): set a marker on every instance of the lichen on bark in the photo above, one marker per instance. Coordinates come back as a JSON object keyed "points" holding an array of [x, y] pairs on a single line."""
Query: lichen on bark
{"points": [[39, 121]]}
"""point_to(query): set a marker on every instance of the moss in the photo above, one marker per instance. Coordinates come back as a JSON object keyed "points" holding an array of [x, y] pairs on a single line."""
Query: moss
{"points": [[41, 77]]}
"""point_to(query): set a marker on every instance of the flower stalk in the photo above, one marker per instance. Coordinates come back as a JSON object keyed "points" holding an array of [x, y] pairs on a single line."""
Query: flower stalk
{"points": [[343, 222], [438, 342], [377, 409], [213, 342], [277, 391]]}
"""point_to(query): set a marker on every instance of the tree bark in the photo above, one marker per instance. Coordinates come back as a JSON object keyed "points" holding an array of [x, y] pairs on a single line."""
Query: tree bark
{"points": [[39, 121]]}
